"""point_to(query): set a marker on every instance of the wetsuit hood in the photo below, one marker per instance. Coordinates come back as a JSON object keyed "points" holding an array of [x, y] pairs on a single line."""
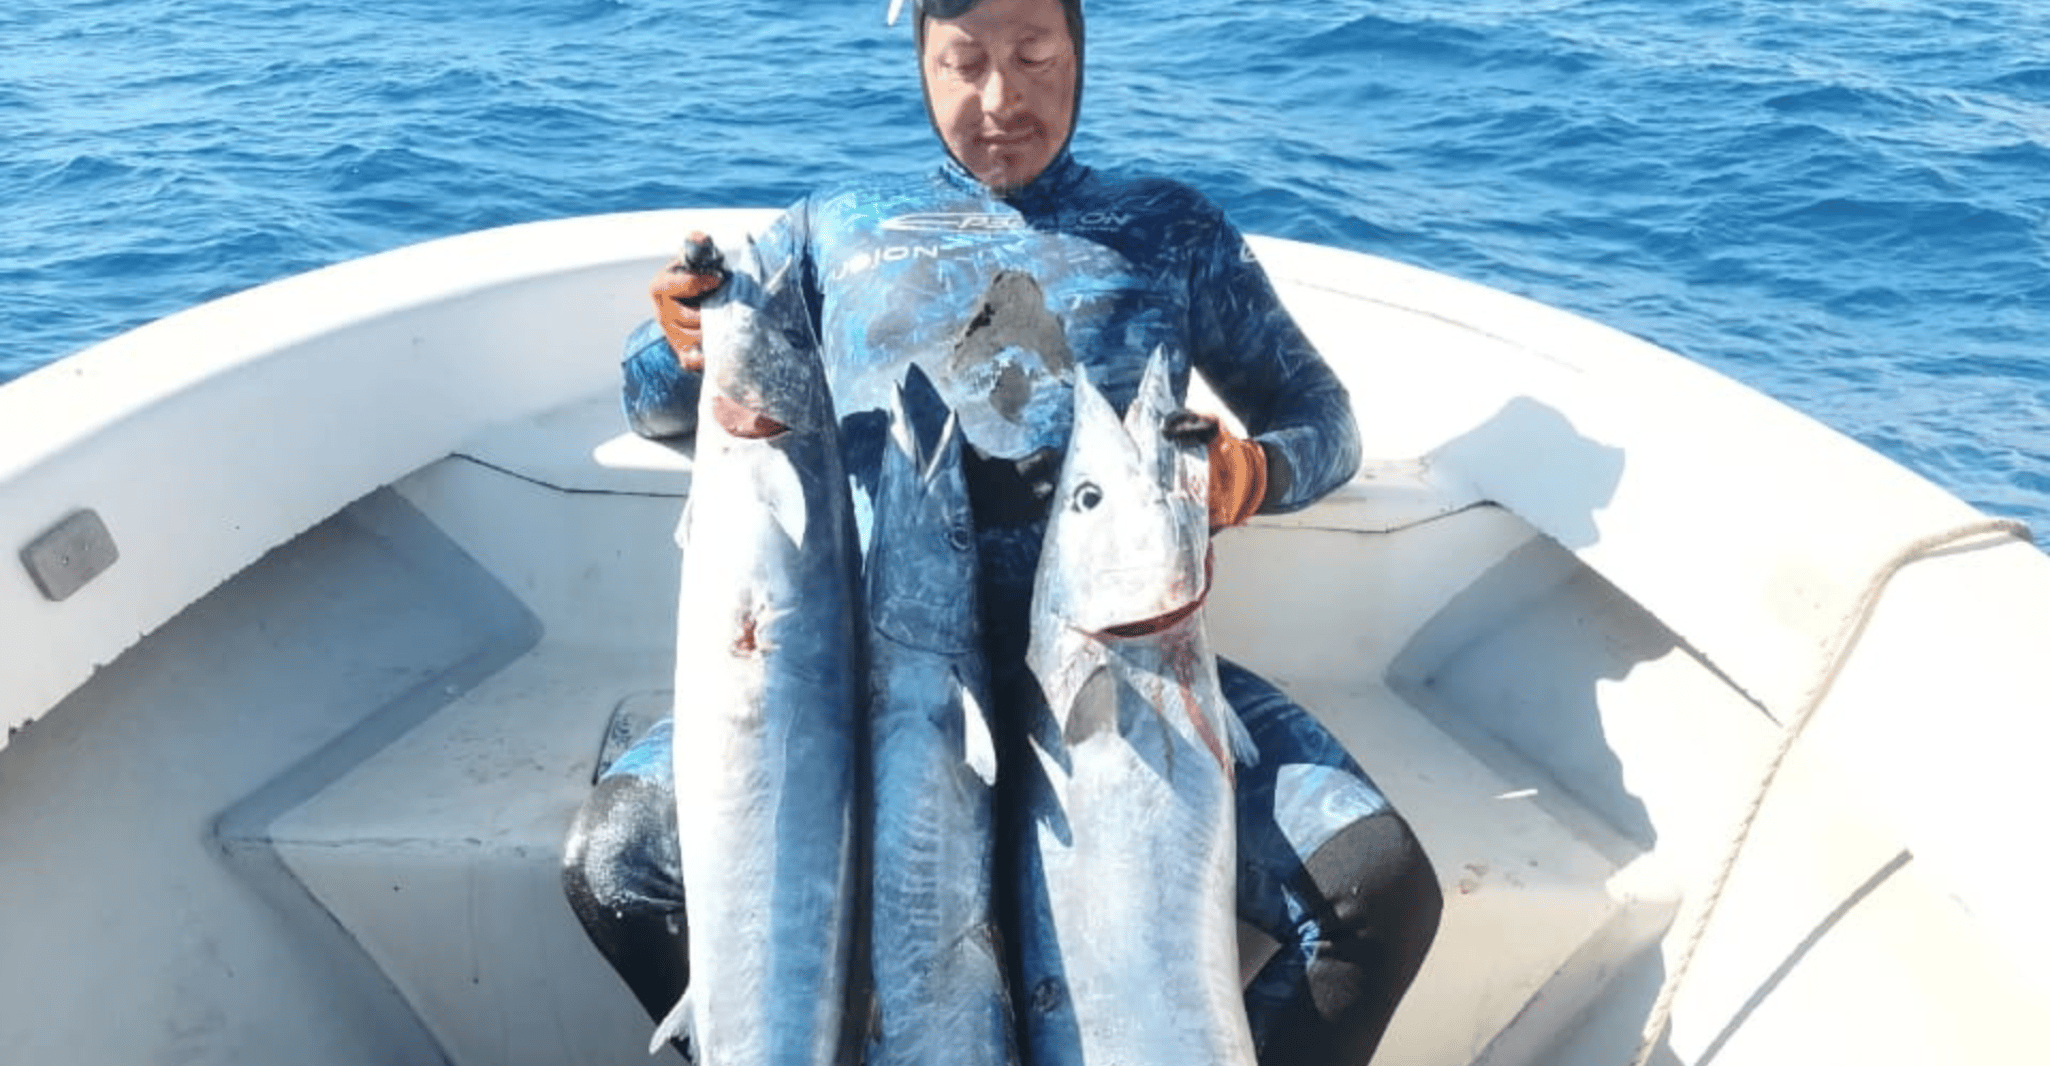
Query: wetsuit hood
{"points": [[950, 9]]}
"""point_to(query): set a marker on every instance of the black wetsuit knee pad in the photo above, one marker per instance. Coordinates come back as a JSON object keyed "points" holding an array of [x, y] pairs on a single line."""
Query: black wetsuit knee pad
{"points": [[1377, 881], [622, 875], [1383, 908]]}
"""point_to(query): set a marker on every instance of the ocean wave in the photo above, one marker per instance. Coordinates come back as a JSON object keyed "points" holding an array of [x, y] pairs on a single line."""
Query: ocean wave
{"points": [[1875, 226], [2030, 81], [1444, 44], [2021, 158], [351, 169], [1841, 101], [82, 172]]}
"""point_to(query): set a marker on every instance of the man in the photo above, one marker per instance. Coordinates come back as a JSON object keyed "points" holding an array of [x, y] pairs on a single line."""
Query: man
{"points": [[999, 274]]}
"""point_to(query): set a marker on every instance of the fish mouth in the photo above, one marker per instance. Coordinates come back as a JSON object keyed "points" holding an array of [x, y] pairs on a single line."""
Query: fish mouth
{"points": [[1161, 623], [744, 422], [1158, 624]]}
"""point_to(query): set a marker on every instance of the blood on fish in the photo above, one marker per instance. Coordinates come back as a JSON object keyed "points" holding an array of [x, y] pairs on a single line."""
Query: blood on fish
{"points": [[1152, 626], [743, 422], [744, 644]]}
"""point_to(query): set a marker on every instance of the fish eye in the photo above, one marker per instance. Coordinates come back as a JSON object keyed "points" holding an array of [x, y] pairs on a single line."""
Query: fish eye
{"points": [[1087, 496], [959, 538]]}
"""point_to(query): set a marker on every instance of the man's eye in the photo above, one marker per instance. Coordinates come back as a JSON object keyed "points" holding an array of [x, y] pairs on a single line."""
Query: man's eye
{"points": [[965, 67]]}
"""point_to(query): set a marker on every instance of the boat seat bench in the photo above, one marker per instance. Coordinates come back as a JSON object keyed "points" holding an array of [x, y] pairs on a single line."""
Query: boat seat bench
{"points": [[437, 848]]}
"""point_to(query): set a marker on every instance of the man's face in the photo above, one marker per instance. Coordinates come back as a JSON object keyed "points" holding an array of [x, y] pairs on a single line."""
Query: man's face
{"points": [[1001, 83]]}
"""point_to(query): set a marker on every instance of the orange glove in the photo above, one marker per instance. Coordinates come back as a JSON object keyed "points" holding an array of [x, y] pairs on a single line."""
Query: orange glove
{"points": [[678, 288], [1238, 467]]}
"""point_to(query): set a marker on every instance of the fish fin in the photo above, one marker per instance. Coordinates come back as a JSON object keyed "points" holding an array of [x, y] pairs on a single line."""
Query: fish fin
{"points": [[1094, 710], [978, 747], [1153, 401], [909, 414], [1239, 739], [678, 1027], [921, 404], [922, 422], [683, 525], [1063, 659], [946, 450]]}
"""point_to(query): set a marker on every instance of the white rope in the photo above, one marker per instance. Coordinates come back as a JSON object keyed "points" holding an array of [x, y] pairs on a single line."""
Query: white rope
{"points": [[1848, 633]]}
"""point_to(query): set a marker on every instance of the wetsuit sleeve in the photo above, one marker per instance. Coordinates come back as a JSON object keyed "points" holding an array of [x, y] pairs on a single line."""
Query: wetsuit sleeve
{"points": [[660, 397], [1260, 364]]}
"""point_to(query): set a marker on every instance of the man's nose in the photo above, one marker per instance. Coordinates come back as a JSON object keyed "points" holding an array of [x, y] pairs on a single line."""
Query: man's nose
{"points": [[1000, 94]]}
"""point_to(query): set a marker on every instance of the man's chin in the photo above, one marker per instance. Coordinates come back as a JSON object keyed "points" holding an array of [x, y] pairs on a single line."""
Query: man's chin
{"points": [[1007, 172]]}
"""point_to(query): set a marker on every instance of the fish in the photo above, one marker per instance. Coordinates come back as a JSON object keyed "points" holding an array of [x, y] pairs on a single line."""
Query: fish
{"points": [[1127, 929], [771, 700], [938, 969]]}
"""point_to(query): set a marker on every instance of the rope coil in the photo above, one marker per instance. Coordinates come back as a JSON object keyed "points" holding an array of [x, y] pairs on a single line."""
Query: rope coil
{"points": [[1845, 640]]}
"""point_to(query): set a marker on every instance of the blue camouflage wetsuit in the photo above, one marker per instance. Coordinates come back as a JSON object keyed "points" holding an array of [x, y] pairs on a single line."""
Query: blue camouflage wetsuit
{"points": [[999, 299]]}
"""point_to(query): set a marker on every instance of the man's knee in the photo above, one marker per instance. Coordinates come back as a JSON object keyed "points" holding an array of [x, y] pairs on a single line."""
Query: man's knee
{"points": [[619, 853], [588, 851], [1377, 911], [1382, 893], [624, 881]]}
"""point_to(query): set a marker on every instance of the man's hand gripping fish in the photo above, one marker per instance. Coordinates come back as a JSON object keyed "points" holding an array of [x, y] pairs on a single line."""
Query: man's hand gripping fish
{"points": [[770, 701], [1128, 929]]}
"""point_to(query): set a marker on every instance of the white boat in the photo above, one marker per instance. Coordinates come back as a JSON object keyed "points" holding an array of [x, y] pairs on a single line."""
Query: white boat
{"points": [[319, 603]]}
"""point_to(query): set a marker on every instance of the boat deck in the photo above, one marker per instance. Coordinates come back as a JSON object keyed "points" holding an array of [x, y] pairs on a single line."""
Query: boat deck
{"points": [[398, 715], [438, 852], [334, 791], [292, 781]]}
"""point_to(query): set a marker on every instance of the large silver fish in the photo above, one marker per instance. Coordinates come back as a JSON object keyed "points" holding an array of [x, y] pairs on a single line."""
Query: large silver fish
{"points": [[1128, 927], [936, 960], [770, 701]]}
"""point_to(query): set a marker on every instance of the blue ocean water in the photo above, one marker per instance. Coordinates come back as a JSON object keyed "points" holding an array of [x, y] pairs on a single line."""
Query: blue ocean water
{"points": [[1846, 205]]}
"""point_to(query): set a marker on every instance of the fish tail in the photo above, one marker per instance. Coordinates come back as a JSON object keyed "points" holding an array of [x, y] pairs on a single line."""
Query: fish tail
{"points": [[677, 1027]]}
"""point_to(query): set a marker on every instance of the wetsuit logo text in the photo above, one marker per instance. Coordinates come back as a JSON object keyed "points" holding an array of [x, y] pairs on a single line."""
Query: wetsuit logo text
{"points": [[955, 222], [860, 262]]}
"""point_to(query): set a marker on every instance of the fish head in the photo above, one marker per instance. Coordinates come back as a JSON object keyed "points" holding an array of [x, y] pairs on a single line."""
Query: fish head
{"points": [[766, 433], [922, 553], [1128, 535], [763, 377]]}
